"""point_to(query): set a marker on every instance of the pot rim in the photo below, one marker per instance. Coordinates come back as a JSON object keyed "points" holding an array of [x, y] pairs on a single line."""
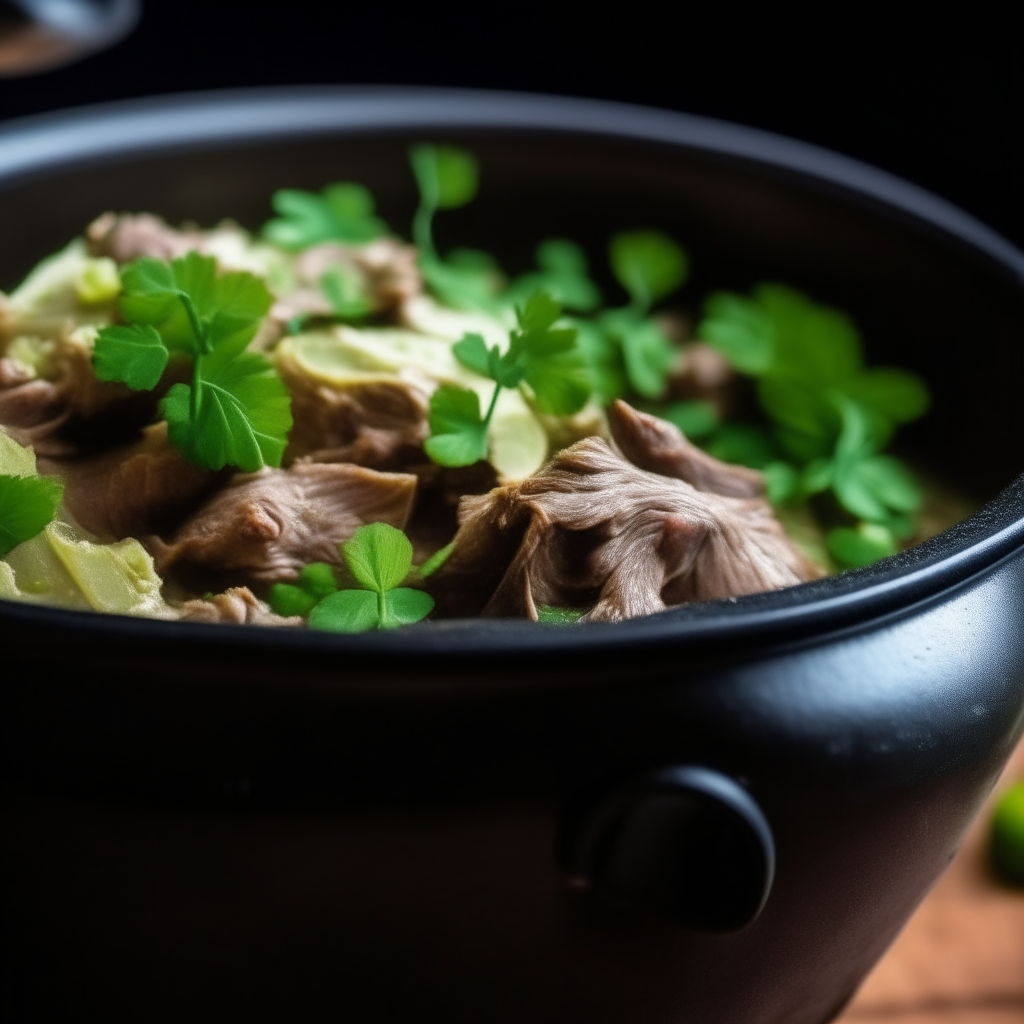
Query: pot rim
{"points": [[50, 142]]}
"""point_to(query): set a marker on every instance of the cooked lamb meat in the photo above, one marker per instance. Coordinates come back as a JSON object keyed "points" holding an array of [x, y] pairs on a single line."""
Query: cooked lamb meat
{"points": [[33, 410], [146, 487], [591, 526], [128, 236], [659, 447], [265, 526], [379, 423], [238, 606], [387, 267], [704, 374]]}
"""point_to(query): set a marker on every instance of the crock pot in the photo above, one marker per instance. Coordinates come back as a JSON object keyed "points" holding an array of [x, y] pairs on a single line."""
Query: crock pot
{"points": [[721, 813]]}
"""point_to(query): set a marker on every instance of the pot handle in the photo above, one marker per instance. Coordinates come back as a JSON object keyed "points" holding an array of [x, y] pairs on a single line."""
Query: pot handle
{"points": [[687, 843]]}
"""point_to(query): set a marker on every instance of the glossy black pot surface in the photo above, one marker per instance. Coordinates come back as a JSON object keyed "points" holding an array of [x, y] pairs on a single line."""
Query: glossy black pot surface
{"points": [[722, 813]]}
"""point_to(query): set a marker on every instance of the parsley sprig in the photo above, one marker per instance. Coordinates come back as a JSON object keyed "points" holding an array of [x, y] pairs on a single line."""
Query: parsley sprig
{"points": [[542, 356], [625, 347], [236, 411], [447, 178], [832, 417], [342, 212]]}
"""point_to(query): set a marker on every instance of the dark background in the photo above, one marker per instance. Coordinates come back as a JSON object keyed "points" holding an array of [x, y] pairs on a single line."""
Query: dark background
{"points": [[938, 101]]}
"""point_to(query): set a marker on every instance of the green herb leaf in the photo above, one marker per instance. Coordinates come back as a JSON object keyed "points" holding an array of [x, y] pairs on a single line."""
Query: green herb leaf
{"points": [[27, 506], [135, 355], [346, 293], [469, 285], [343, 212], [473, 353], [897, 394], [782, 481], [563, 274], [288, 600], [648, 264], [741, 330], [346, 611], [553, 616], [318, 579], [435, 561], [379, 556], [554, 368], [447, 177], [854, 548], [603, 355], [404, 606], [695, 419], [743, 443], [458, 432], [236, 412], [1007, 843], [193, 309]]}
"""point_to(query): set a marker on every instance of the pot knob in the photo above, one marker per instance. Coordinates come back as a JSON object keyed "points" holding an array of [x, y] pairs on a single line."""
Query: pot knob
{"points": [[687, 844]]}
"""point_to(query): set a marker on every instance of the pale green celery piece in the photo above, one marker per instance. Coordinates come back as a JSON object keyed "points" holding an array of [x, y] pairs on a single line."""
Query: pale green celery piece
{"points": [[117, 578], [8, 585], [427, 316], [15, 459], [41, 577], [347, 356], [47, 299], [34, 355], [99, 281]]}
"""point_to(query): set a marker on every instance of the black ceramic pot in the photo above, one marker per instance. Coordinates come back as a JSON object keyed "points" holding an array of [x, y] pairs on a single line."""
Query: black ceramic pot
{"points": [[722, 813]]}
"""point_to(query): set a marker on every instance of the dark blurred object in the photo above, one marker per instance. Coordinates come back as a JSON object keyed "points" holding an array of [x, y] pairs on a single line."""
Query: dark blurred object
{"points": [[37, 35], [1007, 840]]}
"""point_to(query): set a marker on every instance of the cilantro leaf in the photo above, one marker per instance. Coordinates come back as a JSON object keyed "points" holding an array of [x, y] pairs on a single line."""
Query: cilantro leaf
{"points": [[555, 370], [900, 395], [193, 309], [343, 212], [648, 264], [236, 412], [135, 355], [603, 356], [555, 616], [458, 433], [468, 279], [27, 506], [741, 330], [563, 274], [782, 481], [647, 354]]}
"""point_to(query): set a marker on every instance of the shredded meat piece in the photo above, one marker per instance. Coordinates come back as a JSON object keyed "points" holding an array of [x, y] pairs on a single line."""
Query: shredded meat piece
{"points": [[239, 605], [381, 424], [660, 447], [387, 266], [703, 374], [128, 236], [592, 526], [53, 415], [265, 526], [146, 487]]}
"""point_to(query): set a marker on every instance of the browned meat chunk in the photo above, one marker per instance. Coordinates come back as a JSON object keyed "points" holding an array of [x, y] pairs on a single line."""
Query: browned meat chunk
{"points": [[591, 528], [33, 410], [239, 606], [128, 236], [144, 488], [660, 447], [704, 374], [263, 527], [381, 424]]}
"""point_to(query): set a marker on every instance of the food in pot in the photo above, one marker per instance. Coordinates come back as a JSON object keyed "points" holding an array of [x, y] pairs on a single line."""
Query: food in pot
{"points": [[328, 426]]}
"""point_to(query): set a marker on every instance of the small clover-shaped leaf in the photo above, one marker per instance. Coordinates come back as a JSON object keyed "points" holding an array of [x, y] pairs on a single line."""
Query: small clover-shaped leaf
{"points": [[343, 212], [378, 556], [855, 548], [447, 177], [346, 611], [403, 606]]}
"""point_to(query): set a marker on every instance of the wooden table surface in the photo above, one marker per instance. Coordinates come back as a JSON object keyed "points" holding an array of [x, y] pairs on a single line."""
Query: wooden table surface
{"points": [[960, 959]]}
